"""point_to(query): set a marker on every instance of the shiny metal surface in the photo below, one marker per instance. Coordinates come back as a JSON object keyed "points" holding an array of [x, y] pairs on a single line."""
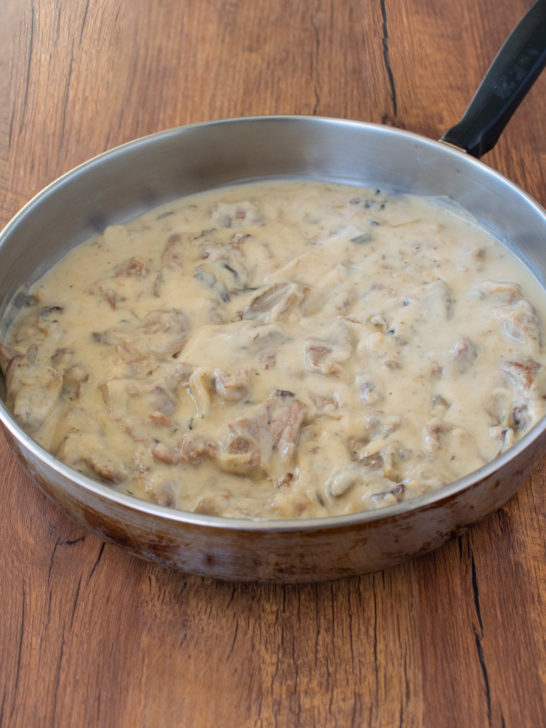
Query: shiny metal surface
{"points": [[127, 181]]}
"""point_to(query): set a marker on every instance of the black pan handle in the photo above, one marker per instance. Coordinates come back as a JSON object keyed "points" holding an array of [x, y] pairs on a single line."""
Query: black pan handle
{"points": [[514, 70]]}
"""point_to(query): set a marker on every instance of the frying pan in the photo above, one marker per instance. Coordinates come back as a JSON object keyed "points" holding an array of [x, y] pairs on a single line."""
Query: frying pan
{"points": [[131, 179]]}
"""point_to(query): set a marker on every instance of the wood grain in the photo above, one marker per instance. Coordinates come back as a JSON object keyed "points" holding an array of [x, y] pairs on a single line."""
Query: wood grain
{"points": [[91, 636]]}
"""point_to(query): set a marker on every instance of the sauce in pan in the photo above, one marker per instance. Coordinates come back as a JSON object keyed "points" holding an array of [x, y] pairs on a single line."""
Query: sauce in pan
{"points": [[281, 349]]}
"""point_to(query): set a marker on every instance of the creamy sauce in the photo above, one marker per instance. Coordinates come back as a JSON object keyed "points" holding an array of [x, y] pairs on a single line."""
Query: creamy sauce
{"points": [[281, 349]]}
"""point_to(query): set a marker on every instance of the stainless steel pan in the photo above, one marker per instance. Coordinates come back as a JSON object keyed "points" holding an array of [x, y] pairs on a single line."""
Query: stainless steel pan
{"points": [[128, 180]]}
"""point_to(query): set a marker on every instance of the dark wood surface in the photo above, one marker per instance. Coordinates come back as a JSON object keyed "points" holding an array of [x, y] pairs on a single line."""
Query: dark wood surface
{"points": [[91, 636]]}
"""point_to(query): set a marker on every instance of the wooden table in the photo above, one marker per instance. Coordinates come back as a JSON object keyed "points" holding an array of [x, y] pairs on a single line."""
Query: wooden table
{"points": [[89, 635]]}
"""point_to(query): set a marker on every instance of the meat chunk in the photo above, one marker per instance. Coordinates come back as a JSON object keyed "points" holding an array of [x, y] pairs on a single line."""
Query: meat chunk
{"points": [[162, 333], [166, 331], [126, 282], [379, 321], [378, 425], [213, 505], [161, 489], [439, 403], [504, 291], [356, 446], [240, 454], [131, 267], [321, 358], [355, 475], [62, 357], [286, 421], [74, 379], [265, 301], [106, 465], [505, 436], [209, 280], [387, 461], [498, 406], [395, 458], [276, 301], [326, 356], [33, 389], [7, 353], [191, 448], [434, 431], [204, 383], [389, 497], [89, 453], [376, 345], [112, 298], [520, 417], [223, 271], [165, 454], [37, 325], [159, 419], [463, 354], [521, 323], [521, 373], [173, 252], [136, 402], [162, 401], [231, 387], [327, 406], [255, 444], [373, 462]]}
